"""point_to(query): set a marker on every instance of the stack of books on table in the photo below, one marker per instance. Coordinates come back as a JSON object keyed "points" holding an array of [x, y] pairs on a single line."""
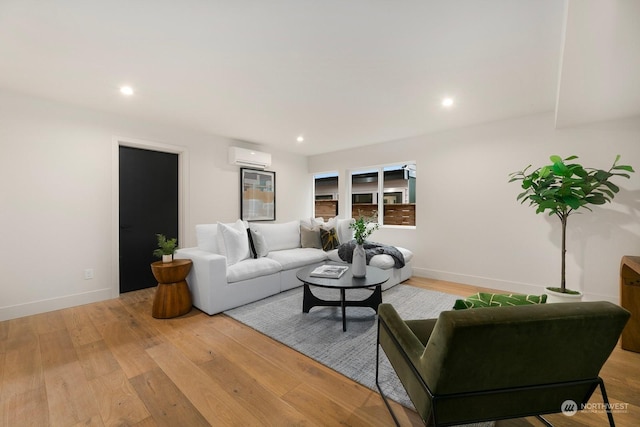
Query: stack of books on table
{"points": [[329, 271]]}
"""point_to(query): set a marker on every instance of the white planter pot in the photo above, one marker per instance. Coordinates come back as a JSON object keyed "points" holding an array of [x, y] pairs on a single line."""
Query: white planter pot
{"points": [[556, 297], [167, 258], [359, 262]]}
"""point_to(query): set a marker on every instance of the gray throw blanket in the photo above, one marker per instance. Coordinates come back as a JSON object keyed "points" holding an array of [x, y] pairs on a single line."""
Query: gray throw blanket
{"points": [[345, 252]]}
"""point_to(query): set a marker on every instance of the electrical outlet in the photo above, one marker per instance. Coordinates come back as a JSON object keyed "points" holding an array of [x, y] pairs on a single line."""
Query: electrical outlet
{"points": [[88, 273]]}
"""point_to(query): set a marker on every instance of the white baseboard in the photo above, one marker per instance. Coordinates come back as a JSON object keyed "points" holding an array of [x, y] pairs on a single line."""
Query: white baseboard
{"points": [[43, 306], [503, 285]]}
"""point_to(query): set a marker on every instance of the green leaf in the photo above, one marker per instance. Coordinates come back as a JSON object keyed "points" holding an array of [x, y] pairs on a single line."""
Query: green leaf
{"points": [[555, 159], [624, 168], [609, 193], [612, 186], [579, 171], [596, 199], [560, 168], [626, 175], [548, 204], [570, 158], [573, 202]]}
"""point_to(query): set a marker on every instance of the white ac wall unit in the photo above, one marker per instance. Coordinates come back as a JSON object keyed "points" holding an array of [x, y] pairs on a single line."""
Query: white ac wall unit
{"points": [[249, 158]]}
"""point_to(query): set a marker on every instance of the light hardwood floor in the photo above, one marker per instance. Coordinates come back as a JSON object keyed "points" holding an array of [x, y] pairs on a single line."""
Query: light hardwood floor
{"points": [[112, 364]]}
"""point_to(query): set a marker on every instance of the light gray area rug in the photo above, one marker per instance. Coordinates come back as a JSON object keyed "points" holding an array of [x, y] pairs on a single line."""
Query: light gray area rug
{"points": [[318, 334]]}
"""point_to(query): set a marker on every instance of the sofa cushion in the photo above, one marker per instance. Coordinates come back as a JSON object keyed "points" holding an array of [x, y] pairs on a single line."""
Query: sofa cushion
{"points": [[484, 299], [300, 257], [233, 241], [251, 268], [280, 236], [310, 237]]}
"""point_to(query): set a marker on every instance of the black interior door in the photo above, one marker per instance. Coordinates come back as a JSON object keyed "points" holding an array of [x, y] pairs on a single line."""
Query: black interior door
{"points": [[148, 205]]}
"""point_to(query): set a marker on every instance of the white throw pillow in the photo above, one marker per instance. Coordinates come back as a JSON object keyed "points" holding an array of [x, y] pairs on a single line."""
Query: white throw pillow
{"points": [[330, 223], [312, 222], [235, 243]]}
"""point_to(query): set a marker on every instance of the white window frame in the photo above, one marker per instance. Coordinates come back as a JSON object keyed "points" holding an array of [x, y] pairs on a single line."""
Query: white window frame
{"points": [[380, 190]]}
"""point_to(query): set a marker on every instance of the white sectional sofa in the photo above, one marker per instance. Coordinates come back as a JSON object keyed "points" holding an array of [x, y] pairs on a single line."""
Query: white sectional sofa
{"points": [[227, 273]]}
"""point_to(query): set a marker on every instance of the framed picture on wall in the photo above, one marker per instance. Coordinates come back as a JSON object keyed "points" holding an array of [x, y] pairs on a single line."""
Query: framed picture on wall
{"points": [[257, 195]]}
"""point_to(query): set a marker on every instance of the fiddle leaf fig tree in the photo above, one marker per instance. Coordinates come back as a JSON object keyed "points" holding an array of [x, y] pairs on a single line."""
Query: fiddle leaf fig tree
{"points": [[562, 188]]}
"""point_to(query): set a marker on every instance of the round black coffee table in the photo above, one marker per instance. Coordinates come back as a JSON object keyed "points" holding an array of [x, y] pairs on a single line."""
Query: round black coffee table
{"points": [[374, 278]]}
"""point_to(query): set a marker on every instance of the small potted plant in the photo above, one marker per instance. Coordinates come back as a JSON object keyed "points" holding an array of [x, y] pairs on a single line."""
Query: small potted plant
{"points": [[362, 227], [166, 248], [562, 189]]}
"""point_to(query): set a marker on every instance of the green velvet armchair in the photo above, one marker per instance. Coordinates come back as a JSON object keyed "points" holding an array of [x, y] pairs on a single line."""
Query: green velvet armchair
{"points": [[502, 362]]}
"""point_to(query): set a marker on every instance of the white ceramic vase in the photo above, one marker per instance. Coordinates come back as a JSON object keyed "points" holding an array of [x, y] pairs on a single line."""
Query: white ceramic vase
{"points": [[167, 258], [555, 297], [359, 262]]}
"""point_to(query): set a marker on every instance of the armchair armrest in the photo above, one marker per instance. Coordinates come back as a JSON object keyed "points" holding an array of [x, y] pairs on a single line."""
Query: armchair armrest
{"points": [[207, 278], [395, 330], [404, 350]]}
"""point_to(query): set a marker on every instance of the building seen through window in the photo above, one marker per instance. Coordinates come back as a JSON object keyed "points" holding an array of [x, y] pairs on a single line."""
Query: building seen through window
{"points": [[388, 192], [326, 194]]}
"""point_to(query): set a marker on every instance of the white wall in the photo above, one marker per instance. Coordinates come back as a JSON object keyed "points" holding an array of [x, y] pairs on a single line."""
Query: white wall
{"points": [[56, 192], [469, 227]]}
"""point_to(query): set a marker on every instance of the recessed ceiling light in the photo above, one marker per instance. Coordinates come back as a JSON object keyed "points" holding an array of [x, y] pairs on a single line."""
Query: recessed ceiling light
{"points": [[447, 102], [300, 138], [126, 90]]}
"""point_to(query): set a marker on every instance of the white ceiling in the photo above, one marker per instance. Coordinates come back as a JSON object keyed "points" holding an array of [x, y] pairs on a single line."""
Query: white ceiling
{"points": [[341, 73]]}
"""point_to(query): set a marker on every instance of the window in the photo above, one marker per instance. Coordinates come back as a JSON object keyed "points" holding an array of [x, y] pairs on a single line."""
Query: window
{"points": [[326, 194], [397, 186], [364, 193]]}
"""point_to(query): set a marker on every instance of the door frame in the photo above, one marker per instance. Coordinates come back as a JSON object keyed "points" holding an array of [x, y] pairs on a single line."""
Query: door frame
{"points": [[183, 195]]}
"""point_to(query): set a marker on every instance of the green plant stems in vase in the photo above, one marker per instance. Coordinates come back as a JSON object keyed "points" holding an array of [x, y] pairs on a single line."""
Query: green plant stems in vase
{"points": [[363, 227], [562, 188]]}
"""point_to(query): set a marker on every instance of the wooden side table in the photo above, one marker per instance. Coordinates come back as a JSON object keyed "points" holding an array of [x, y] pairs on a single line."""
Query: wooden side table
{"points": [[172, 296], [630, 299]]}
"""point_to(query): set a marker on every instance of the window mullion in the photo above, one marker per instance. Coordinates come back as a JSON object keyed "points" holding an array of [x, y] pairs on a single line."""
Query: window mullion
{"points": [[381, 196]]}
